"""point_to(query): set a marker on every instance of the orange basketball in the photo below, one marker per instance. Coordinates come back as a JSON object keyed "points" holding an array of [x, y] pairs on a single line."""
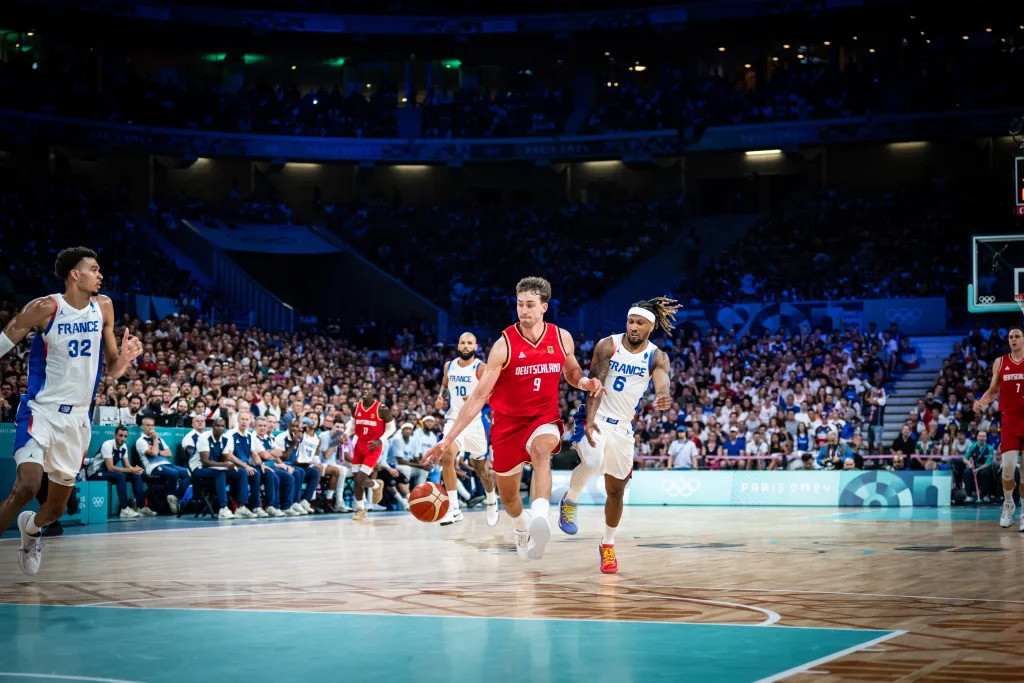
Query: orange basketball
{"points": [[428, 502]]}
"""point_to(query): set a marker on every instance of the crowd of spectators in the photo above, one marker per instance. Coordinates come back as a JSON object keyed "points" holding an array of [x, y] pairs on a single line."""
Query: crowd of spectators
{"points": [[37, 221], [471, 114], [475, 285], [872, 244]]}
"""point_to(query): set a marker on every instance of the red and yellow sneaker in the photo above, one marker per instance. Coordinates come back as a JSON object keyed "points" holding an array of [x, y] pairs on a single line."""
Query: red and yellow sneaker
{"points": [[609, 565]]}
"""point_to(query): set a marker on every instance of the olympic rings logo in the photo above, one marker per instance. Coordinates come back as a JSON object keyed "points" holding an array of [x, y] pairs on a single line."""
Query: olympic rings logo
{"points": [[683, 489], [98, 501], [903, 316]]}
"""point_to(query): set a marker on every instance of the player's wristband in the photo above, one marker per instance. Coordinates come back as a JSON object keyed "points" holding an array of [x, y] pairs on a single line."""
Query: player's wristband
{"points": [[580, 384], [5, 344]]}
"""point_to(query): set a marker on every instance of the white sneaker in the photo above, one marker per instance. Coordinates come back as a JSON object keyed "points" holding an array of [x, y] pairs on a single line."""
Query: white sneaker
{"points": [[297, 509], [145, 512], [288, 512], [173, 502], [274, 512], [492, 514], [244, 513], [306, 506], [540, 534], [1006, 519], [225, 513], [128, 513], [341, 507], [1021, 529], [453, 515], [522, 543], [376, 507], [29, 554], [261, 513]]}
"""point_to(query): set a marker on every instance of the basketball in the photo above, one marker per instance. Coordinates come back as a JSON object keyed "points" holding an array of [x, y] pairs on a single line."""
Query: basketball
{"points": [[428, 502]]}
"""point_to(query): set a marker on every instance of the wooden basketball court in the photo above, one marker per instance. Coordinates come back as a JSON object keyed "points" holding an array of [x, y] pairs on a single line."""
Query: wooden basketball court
{"points": [[729, 594]]}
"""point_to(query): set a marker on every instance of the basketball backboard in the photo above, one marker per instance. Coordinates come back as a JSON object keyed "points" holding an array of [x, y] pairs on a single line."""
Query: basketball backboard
{"points": [[997, 273]]}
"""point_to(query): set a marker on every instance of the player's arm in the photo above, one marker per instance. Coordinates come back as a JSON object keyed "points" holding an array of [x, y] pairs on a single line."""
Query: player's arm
{"points": [[662, 374], [993, 388], [383, 414], [572, 370], [475, 403], [599, 371], [165, 451], [439, 401], [118, 362], [36, 315]]}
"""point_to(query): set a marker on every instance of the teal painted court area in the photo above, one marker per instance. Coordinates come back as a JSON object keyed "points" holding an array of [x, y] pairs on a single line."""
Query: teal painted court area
{"points": [[173, 645]]}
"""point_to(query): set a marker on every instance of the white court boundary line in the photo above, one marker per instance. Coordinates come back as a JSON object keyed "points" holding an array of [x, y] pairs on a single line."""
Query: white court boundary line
{"points": [[803, 668], [60, 677], [442, 616]]}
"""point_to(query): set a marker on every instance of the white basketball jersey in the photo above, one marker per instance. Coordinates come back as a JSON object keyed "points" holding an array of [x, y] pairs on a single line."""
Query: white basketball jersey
{"points": [[462, 382], [65, 361], [629, 375]]}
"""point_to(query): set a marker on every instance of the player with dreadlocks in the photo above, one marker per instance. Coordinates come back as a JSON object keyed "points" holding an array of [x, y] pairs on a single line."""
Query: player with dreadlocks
{"points": [[625, 364]]}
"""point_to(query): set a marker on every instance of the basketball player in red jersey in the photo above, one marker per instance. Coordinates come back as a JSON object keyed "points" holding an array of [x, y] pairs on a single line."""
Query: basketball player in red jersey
{"points": [[371, 425], [523, 370], [1008, 384]]}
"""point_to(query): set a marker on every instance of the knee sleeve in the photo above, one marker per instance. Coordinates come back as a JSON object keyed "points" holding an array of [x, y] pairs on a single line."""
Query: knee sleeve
{"points": [[1009, 464]]}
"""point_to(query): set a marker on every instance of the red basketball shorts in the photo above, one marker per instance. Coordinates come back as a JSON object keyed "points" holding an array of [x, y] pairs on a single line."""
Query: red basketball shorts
{"points": [[368, 458], [511, 438], [1011, 434]]}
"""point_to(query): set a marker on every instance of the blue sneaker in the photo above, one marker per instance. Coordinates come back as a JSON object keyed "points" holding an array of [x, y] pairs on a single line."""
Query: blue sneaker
{"points": [[567, 517]]}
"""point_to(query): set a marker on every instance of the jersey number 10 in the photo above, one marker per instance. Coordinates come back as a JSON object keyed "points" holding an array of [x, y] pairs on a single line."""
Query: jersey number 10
{"points": [[79, 348]]}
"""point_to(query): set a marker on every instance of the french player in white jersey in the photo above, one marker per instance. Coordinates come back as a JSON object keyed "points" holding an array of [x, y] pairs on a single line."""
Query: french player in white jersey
{"points": [[461, 377], [74, 334], [626, 364]]}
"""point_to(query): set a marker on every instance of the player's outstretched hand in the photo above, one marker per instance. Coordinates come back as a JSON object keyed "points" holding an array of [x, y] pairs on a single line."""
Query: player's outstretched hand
{"points": [[589, 429], [663, 401], [434, 454], [131, 347], [439, 402]]}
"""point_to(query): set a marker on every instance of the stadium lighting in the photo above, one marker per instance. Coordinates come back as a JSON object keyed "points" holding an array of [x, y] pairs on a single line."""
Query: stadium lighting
{"points": [[746, 66], [966, 37], [827, 43], [800, 56], [988, 30], [871, 50], [721, 49], [294, 67], [640, 67], [855, 37], [785, 46], [762, 152], [32, 33], [404, 100]]}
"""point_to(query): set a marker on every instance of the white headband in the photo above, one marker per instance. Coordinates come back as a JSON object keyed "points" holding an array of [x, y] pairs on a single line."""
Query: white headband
{"points": [[642, 312]]}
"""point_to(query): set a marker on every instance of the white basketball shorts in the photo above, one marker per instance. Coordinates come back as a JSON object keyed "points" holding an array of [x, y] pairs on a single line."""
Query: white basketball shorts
{"points": [[56, 437], [472, 440], [613, 452]]}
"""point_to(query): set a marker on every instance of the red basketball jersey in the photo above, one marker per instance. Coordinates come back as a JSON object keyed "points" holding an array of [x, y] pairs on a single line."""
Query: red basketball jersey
{"points": [[528, 383], [369, 426], [1011, 390]]}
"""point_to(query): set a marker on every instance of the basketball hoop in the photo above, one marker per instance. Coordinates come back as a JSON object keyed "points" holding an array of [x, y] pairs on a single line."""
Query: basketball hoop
{"points": [[1019, 298]]}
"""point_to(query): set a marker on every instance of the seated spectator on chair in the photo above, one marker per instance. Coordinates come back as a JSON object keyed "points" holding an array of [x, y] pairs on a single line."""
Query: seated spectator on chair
{"points": [[247, 449], [191, 440], [979, 460], [683, 453], [212, 461], [833, 454], [299, 452], [111, 464], [155, 457], [333, 466], [898, 464], [285, 473]]}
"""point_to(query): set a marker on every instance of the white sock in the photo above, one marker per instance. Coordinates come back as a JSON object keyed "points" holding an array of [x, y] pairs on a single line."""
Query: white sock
{"points": [[520, 522], [491, 497], [360, 505], [377, 484], [539, 507], [463, 493], [31, 527], [329, 494], [572, 496], [453, 503], [1008, 495], [609, 535]]}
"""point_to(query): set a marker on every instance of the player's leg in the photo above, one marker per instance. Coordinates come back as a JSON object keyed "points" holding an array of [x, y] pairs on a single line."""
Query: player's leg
{"points": [[272, 490], [591, 458], [27, 480], [542, 443], [364, 481], [1008, 467], [485, 472], [615, 490], [451, 484], [508, 491]]}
